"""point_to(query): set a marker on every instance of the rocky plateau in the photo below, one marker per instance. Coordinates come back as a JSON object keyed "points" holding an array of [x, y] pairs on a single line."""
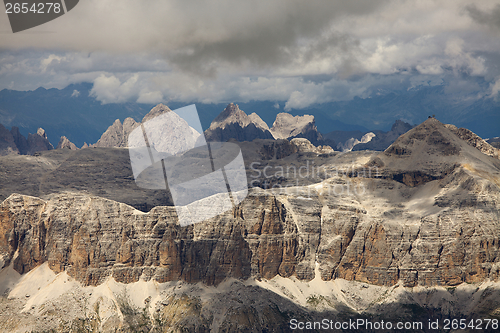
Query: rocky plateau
{"points": [[409, 233]]}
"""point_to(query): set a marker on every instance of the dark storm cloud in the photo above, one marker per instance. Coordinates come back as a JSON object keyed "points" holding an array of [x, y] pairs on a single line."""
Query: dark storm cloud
{"points": [[488, 18], [301, 52], [274, 39]]}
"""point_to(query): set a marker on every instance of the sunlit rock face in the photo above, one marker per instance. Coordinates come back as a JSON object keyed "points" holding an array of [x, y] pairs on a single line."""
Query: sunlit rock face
{"points": [[423, 214]]}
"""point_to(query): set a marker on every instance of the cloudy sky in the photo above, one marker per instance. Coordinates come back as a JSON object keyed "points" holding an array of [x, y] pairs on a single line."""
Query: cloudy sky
{"points": [[295, 51]]}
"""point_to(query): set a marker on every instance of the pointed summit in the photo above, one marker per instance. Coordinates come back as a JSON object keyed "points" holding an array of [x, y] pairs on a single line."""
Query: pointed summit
{"points": [[233, 123], [155, 112], [427, 152], [117, 134], [231, 114], [38, 142], [64, 143]]}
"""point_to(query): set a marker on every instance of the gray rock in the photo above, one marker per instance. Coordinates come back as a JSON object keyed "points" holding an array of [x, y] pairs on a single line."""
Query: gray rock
{"points": [[20, 140], [7, 143], [233, 123], [288, 127], [64, 143], [382, 140], [38, 142]]}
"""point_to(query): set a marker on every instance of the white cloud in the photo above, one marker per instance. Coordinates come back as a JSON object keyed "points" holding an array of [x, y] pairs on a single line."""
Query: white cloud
{"points": [[75, 93], [45, 63], [109, 89], [286, 50], [462, 60], [150, 97], [495, 89]]}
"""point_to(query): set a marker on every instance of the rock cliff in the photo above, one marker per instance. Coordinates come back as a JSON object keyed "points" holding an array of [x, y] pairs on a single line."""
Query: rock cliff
{"points": [[117, 134], [20, 140], [38, 142], [7, 143], [64, 143], [288, 127], [437, 190], [382, 140], [405, 231], [233, 123], [15, 143]]}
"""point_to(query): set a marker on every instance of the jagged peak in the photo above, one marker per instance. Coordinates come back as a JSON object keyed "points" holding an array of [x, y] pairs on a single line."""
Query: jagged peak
{"points": [[64, 143], [156, 111], [429, 134], [474, 140], [41, 132], [286, 126], [401, 126], [254, 117], [231, 114], [231, 110], [287, 117]]}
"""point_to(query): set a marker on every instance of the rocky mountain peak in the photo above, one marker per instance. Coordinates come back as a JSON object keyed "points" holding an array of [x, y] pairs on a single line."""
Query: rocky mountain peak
{"points": [[233, 123], [288, 127], [64, 143], [117, 134], [156, 111], [38, 142], [432, 134], [41, 132], [7, 144], [401, 127], [231, 114], [428, 152], [429, 138], [20, 140], [254, 117]]}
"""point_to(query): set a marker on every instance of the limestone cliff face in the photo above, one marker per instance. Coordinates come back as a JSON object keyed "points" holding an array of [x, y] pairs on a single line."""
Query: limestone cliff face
{"points": [[444, 234], [7, 143], [38, 142], [93, 238], [288, 127], [117, 134], [304, 145], [426, 213], [64, 143], [474, 140]]}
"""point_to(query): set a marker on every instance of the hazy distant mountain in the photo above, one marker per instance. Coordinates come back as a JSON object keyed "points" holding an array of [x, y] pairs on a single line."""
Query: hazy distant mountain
{"points": [[7, 144], [62, 112], [71, 112], [117, 134], [233, 123], [64, 143], [288, 127], [419, 230], [382, 140], [13, 143], [495, 142]]}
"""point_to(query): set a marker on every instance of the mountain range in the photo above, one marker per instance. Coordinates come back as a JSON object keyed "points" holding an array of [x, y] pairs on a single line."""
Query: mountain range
{"points": [[73, 112], [405, 234]]}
